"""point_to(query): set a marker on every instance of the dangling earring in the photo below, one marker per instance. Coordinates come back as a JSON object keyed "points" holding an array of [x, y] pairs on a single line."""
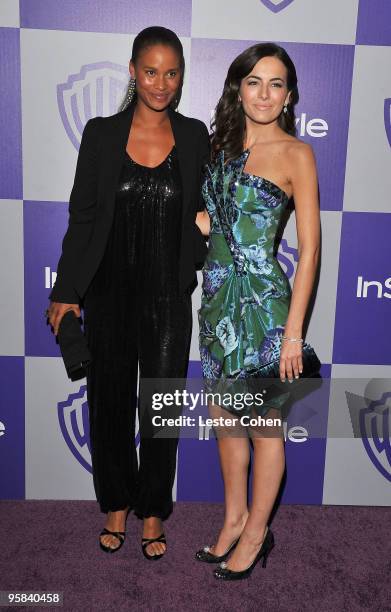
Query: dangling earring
{"points": [[285, 108], [129, 94], [175, 102]]}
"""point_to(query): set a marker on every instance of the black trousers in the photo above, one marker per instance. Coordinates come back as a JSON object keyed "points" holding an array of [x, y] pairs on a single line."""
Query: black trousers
{"points": [[151, 334]]}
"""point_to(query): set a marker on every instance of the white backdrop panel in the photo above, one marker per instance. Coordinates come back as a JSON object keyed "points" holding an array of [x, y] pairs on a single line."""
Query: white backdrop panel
{"points": [[52, 471], [11, 278], [300, 21], [351, 477], [9, 13], [368, 176]]}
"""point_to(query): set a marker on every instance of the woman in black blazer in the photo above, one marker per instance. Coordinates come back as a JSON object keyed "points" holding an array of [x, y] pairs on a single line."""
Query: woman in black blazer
{"points": [[129, 257]]}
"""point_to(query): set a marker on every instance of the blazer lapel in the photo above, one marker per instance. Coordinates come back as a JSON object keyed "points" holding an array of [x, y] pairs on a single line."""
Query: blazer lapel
{"points": [[114, 145], [182, 147]]}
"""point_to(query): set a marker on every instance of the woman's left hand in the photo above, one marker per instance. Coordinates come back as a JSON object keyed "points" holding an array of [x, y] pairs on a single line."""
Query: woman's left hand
{"points": [[291, 361], [203, 222]]}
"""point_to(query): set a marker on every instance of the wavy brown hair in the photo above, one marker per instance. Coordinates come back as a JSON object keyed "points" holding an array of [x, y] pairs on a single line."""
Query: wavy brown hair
{"points": [[229, 125]]}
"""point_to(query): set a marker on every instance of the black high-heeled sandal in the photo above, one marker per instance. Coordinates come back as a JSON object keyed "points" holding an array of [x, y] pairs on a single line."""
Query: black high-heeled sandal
{"points": [[223, 573], [146, 541], [208, 557], [120, 535]]}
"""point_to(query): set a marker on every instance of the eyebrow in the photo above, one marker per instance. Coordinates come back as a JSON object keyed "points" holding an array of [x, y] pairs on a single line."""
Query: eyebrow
{"points": [[154, 68], [253, 76]]}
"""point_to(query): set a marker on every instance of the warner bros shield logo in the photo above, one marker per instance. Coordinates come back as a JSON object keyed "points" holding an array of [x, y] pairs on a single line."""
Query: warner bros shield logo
{"points": [[371, 421], [387, 118], [375, 431], [288, 258], [73, 416], [276, 5], [74, 424], [96, 91]]}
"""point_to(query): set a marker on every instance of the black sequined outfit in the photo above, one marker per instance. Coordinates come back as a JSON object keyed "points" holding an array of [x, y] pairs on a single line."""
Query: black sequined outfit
{"points": [[136, 318]]}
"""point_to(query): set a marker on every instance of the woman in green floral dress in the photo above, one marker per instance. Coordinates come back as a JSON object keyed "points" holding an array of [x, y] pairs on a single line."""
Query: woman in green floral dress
{"points": [[249, 315]]}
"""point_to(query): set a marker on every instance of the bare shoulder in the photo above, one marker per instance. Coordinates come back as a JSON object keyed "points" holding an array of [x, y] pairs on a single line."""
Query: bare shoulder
{"points": [[299, 154]]}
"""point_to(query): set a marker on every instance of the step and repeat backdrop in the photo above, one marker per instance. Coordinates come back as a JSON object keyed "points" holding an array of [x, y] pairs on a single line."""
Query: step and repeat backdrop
{"points": [[63, 62]]}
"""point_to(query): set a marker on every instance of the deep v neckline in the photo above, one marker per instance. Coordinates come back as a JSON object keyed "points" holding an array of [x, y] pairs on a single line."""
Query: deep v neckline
{"points": [[150, 167]]}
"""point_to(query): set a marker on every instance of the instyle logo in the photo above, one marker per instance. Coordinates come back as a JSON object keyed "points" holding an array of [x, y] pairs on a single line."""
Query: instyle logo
{"points": [[75, 426], [315, 127], [387, 118], [276, 5], [375, 433], [288, 257], [50, 277], [364, 288], [97, 90]]}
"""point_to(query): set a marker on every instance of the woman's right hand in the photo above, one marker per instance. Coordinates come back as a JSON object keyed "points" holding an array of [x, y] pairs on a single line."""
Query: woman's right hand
{"points": [[56, 312]]}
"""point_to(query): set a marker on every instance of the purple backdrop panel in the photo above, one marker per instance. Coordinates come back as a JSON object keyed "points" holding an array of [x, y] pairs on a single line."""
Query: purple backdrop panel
{"points": [[364, 290], [44, 225], [387, 118], [199, 476], [12, 452], [325, 81], [123, 16], [305, 461], [373, 23], [11, 186], [305, 472]]}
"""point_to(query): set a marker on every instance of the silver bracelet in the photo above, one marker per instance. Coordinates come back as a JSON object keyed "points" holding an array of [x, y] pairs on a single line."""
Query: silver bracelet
{"points": [[292, 339]]}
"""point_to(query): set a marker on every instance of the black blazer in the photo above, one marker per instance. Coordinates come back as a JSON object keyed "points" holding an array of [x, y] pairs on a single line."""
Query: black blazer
{"points": [[91, 204]]}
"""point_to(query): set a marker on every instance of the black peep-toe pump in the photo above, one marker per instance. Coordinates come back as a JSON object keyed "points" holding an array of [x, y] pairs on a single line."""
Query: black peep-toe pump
{"points": [[208, 557], [223, 573]]}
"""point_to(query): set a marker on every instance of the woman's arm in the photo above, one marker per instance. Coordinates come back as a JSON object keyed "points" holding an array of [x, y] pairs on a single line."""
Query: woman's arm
{"points": [[82, 210], [202, 218], [305, 192]]}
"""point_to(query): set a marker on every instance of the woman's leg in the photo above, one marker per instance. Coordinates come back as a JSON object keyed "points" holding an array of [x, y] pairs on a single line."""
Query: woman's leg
{"points": [[268, 469], [111, 392], [234, 452], [165, 333]]}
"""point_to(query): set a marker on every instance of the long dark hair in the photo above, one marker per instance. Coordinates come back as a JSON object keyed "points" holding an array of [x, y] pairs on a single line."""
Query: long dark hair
{"points": [[156, 35], [228, 125]]}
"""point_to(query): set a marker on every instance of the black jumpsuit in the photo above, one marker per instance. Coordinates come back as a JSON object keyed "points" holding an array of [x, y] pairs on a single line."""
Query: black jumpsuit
{"points": [[136, 318]]}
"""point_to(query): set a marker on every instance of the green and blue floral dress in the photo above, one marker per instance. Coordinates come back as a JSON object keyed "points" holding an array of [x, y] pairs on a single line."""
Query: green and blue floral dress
{"points": [[245, 292]]}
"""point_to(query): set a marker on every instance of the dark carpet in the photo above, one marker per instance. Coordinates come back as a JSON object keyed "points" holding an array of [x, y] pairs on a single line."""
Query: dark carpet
{"points": [[326, 558]]}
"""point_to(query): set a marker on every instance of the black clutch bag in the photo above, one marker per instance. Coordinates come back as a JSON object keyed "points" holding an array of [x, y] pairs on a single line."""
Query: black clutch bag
{"points": [[267, 379], [73, 346], [269, 373], [311, 365]]}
